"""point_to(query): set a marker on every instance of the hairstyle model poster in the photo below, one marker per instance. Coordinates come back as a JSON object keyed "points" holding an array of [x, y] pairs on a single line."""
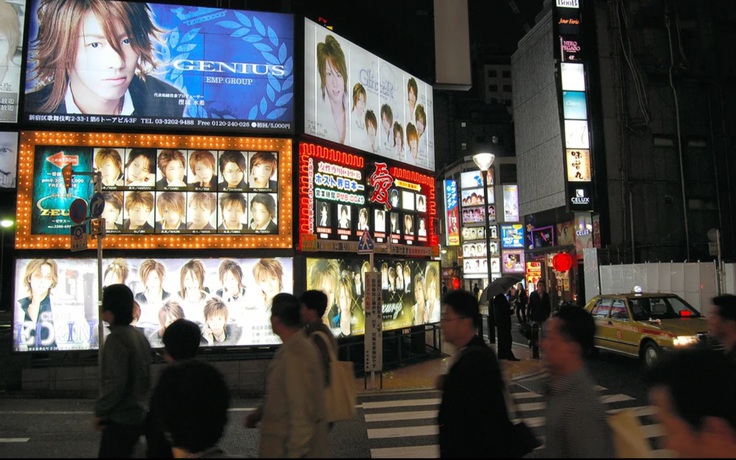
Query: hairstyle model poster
{"points": [[354, 98], [55, 304], [12, 18], [111, 63], [410, 292]]}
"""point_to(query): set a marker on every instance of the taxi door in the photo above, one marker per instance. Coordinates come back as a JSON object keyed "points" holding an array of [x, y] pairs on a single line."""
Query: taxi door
{"points": [[604, 333], [626, 337]]}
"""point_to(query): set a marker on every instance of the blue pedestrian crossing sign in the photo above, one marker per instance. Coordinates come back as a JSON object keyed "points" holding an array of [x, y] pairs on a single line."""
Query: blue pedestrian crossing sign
{"points": [[366, 244]]}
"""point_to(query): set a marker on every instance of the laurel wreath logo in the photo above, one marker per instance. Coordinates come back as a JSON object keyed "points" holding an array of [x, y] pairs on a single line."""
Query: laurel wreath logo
{"points": [[279, 90]]}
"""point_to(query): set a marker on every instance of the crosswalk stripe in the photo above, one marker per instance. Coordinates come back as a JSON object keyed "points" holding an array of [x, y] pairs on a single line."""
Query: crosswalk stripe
{"points": [[432, 451], [640, 411], [11, 440], [393, 416], [403, 431], [615, 398], [396, 403]]}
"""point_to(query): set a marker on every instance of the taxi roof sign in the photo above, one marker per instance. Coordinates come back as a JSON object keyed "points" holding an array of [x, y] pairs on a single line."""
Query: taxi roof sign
{"points": [[366, 244]]}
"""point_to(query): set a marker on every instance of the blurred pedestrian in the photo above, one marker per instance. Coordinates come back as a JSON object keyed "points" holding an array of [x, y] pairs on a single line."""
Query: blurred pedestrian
{"points": [[125, 373], [293, 416], [576, 420], [193, 398], [312, 306], [722, 322], [181, 343], [473, 420], [502, 310], [520, 303], [698, 421], [539, 310]]}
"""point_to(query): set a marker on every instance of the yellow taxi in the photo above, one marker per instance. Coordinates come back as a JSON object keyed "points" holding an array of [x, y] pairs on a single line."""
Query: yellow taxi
{"points": [[645, 325]]}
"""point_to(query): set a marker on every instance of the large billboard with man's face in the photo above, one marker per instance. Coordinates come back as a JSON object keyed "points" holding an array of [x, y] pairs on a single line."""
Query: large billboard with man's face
{"points": [[149, 65]]}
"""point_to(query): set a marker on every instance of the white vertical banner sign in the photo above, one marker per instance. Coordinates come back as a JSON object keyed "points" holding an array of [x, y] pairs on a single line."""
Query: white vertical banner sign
{"points": [[373, 323]]}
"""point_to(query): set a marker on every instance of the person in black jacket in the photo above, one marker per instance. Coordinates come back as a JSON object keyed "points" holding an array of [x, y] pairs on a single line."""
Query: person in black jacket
{"points": [[539, 310], [473, 419], [502, 310]]}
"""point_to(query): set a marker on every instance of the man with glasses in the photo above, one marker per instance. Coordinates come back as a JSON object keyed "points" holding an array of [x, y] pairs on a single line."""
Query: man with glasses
{"points": [[472, 418]]}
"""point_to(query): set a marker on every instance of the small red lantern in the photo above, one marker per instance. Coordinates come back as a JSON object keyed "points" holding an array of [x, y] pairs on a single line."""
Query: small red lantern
{"points": [[562, 262]]}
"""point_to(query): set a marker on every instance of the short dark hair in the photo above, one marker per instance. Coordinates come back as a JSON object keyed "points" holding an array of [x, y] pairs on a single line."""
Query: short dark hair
{"points": [[314, 300], [192, 398], [683, 372], [726, 305], [464, 304], [118, 299], [577, 325], [181, 339], [285, 307]]}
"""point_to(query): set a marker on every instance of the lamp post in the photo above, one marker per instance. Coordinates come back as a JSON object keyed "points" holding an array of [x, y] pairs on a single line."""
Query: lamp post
{"points": [[484, 162]]}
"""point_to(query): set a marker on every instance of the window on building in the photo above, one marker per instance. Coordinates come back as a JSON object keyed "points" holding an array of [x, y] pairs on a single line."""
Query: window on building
{"points": [[493, 88], [506, 74], [507, 88], [463, 146], [492, 73]]}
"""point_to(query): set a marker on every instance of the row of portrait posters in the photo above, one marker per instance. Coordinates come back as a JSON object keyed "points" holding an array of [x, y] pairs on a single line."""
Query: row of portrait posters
{"points": [[410, 289], [55, 305], [112, 63], [148, 190], [354, 98]]}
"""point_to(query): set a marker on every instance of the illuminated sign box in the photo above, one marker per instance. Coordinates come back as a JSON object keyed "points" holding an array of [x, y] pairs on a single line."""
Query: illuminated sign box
{"points": [[543, 237], [68, 315], [410, 292], [512, 236], [512, 261], [196, 68], [341, 195], [355, 98], [257, 208]]}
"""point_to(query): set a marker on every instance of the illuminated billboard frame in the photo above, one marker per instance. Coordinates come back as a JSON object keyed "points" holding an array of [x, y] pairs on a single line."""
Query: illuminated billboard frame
{"points": [[68, 316], [371, 90], [198, 68], [25, 239], [330, 179]]}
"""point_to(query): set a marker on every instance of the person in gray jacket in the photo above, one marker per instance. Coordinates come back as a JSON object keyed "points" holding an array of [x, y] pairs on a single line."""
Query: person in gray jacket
{"points": [[125, 373]]}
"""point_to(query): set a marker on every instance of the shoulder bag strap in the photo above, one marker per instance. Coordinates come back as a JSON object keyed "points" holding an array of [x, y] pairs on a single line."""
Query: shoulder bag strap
{"points": [[328, 343]]}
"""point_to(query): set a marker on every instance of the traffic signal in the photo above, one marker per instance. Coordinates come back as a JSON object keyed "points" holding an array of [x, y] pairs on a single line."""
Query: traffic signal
{"points": [[67, 172], [97, 228]]}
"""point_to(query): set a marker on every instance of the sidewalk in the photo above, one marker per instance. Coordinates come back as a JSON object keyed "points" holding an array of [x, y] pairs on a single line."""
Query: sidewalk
{"points": [[422, 375]]}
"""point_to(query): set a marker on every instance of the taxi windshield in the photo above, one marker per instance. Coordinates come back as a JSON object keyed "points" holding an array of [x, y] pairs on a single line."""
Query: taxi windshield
{"points": [[646, 308]]}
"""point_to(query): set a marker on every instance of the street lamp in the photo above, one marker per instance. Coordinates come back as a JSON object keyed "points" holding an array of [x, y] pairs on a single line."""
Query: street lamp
{"points": [[484, 162]]}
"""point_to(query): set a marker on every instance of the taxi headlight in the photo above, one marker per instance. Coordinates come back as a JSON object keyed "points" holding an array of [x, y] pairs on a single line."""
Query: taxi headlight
{"points": [[685, 340]]}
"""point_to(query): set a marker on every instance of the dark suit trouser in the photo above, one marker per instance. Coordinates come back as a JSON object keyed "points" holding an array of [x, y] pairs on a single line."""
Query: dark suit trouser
{"points": [[504, 337], [118, 441]]}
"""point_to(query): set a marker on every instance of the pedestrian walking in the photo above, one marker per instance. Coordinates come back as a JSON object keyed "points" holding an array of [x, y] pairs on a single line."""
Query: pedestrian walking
{"points": [[576, 421], [181, 343], [539, 310], [473, 420], [293, 416], [125, 373], [722, 322], [520, 304], [193, 398], [697, 423], [502, 310]]}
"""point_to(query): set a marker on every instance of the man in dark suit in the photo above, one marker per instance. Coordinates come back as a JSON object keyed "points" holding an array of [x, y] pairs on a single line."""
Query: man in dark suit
{"points": [[502, 310], [539, 310], [472, 419]]}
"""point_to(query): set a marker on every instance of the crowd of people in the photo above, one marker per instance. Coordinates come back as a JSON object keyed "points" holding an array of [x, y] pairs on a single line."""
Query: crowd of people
{"points": [[186, 412]]}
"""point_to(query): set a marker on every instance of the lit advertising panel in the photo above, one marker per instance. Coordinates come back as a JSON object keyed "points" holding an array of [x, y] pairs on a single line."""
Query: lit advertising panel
{"points": [[578, 165], [576, 134], [354, 98], [8, 158], [573, 76], [12, 20], [66, 318], [451, 205], [543, 237], [185, 68], [512, 236], [574, 107], [512, 261], [410, 292], [341, 195], [473, 179], [214, 188], [511, 203]]}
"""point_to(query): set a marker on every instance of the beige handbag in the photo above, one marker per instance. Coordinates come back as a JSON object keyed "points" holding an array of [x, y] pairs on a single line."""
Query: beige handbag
{"points": [[628, 437], [340, 394]]}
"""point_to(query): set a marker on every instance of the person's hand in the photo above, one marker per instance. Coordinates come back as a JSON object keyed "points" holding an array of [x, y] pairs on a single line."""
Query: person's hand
{"points": [[252, 419], [439, 382], [98, 424]]}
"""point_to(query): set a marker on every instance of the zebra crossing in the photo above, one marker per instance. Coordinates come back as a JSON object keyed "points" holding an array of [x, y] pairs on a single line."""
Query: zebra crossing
{"points": [[404, 424]]}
